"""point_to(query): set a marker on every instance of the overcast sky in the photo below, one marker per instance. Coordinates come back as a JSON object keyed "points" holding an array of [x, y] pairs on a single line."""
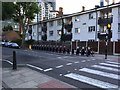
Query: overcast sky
{"points": [[73, 6]]}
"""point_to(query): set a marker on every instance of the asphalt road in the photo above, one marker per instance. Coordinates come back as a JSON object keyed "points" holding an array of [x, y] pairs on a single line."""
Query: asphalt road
{"points": [[82, 72]]}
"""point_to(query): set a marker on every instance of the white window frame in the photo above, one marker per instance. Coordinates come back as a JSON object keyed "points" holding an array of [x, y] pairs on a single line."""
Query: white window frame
{"points": [[51, 24], [77, 30], [91, 16], [77, 18], [50, 33], [59, 22], [118, 27], [91, 29]]}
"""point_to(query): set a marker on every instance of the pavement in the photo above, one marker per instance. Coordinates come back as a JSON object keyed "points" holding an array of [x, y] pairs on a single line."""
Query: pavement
{"points": [[25, 77]]}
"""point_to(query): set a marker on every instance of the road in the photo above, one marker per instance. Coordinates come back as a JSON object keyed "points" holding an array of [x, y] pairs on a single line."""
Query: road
{"points": [[80, 71]]}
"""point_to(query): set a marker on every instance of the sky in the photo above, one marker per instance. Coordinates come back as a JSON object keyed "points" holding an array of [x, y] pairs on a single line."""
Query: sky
{"points": [[73, 6]]}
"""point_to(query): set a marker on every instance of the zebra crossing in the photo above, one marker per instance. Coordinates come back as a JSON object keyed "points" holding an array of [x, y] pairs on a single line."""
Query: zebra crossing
{"points": [[107, 70]]}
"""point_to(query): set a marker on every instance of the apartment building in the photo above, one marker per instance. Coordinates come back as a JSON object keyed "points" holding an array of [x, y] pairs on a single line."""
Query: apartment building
{"points": [[84, 26], [46, 6]]}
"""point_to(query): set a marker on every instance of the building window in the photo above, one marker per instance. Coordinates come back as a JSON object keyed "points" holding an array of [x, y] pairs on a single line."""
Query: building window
{"points": [[119, 11], [39, 33], [91, 29], [51, 24], [59, 32], [118, 27], [91, 16], [77, 30], [77, 18], [50, 33], [59, 22]]}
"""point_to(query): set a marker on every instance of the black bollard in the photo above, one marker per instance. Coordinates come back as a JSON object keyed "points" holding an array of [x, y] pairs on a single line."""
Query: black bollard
{"points": [[14, 61], [68, 51], [72, 51]]}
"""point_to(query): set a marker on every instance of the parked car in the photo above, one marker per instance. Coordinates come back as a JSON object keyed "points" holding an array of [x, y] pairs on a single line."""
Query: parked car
{"points": [[2, 43], [7, 44], [14, 45]]}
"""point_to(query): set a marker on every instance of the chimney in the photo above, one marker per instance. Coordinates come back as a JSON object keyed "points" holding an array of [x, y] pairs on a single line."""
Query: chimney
{"points": [[101, 3], [60, 9], [113, 1], [60, 12], [83, 8]]}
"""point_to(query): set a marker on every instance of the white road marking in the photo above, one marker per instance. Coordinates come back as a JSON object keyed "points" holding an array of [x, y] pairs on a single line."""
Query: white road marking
{"points": [[77, 62], [93, 59], [59, 66], [49, 69], [90, 81], [59, 57], [34, 67], [60, 75], [8, 62], [68, 71], [75, 69], [109, 65], [88, 60], [97, 72], [106, 68], [83, 61], [112, 62], [69, 64]]}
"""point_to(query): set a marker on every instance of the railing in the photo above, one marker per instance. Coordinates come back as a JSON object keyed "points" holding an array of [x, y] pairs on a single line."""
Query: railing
{"points": [[105, 20]]}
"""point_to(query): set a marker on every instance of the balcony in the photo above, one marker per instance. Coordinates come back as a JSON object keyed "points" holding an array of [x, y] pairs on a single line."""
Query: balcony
{"points": [[68, 26], [66, 37], [44, 29], [44, 37], [104, 20]]}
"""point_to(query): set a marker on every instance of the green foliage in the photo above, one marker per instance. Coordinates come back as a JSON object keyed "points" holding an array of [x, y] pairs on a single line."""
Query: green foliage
{"points": [[18, 41], [7, 28], [29, 42], [7, 10]]}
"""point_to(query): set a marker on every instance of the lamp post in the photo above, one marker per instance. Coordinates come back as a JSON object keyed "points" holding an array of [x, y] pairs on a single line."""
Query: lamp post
{"points": [[96, 6], [37, 23]]}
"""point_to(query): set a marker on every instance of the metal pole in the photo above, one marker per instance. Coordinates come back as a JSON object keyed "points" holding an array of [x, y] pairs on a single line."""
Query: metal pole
{"points": [[106, 37], [106, 48], [37, 25], [14, 61], [96, 24]]}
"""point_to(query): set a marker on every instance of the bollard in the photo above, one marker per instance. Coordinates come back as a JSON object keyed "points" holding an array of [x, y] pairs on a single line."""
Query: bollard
{"points": [[60, 50], [14, 61], [68, 51], [72, 51]]}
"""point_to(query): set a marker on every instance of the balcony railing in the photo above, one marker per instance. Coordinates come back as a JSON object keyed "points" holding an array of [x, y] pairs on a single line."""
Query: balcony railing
{"points": [[44, 29], [68, 26], [104, 20], [66, 37]]}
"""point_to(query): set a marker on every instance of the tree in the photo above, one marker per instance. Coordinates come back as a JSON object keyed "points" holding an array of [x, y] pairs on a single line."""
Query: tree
{"points": [[7, 10], [23, 13], [7, 28]]}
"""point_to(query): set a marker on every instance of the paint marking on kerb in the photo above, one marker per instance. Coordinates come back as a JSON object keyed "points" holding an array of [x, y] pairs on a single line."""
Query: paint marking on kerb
{"points": [[34, 67], [106, 68], [101, 73], [90, 81], [8, 62]]}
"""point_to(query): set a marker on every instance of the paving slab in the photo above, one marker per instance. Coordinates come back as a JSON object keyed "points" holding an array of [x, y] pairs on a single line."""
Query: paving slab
{"points": [[25, 77]]}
